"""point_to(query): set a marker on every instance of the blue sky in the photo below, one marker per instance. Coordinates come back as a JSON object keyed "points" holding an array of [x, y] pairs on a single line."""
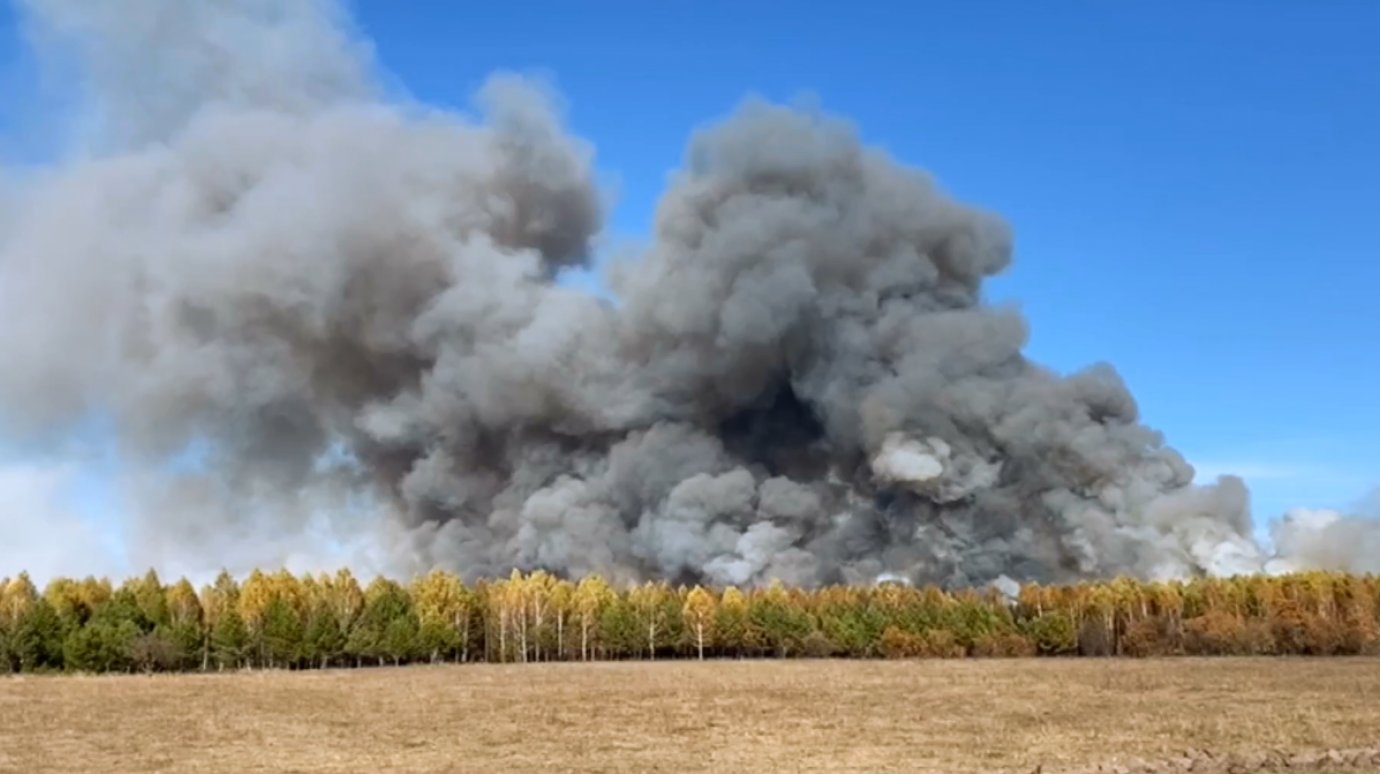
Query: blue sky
{"points": [[1194, 186]]}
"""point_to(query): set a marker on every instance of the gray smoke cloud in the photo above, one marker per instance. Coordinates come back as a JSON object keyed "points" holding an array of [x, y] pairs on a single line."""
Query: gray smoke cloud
{"points": [[350, 305], [1315, 538]]}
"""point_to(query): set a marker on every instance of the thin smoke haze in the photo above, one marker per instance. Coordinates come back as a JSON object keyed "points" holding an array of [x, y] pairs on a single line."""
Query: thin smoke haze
{"points": [[349, 305]]}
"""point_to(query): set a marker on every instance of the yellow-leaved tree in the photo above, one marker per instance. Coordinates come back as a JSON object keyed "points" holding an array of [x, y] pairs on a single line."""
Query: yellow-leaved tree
{"points": [[592, 595], [443, 611], [649, 603], [562, 600], [731, 621], [700, 606]]}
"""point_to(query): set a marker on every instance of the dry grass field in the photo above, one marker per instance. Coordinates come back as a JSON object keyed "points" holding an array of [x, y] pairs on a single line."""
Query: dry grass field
{"points": [[925, 716]]}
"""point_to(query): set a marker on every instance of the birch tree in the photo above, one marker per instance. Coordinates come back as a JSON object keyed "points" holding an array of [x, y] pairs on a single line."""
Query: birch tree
{"points": [[700, 606]]}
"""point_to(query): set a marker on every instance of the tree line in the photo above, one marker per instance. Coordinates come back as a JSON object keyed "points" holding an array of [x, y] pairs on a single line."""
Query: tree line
{"points": [[281, 620]]}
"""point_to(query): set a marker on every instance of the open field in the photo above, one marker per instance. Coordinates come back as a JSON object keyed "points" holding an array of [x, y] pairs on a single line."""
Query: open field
{"points": [[926, 716]]}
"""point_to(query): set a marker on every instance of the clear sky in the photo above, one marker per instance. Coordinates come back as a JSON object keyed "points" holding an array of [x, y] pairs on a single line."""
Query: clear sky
{"points": [[1194, 186]]}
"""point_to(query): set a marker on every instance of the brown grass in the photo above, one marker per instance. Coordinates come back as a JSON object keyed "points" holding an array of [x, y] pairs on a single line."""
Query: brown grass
{"points": [[923, 716]]}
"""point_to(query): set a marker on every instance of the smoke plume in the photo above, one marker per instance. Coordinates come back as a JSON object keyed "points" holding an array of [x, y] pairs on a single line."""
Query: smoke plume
{"points": [[349, 304]]}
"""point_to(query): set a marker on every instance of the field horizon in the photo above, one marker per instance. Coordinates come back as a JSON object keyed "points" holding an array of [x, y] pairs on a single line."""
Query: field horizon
{"points": [[988, 715]]}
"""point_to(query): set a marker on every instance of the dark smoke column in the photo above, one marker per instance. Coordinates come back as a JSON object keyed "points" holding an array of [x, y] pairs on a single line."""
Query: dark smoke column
{"points": [[801, 383]]}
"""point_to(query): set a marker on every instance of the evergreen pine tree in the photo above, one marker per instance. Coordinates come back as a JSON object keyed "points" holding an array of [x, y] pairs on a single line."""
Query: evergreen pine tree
{"points": [[230, 640], [282, 634], [323, 639], [400, 639], [37, 639]]}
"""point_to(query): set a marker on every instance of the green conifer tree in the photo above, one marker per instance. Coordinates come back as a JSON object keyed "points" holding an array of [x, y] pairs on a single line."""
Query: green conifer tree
{"points": [[323, 639], [230, 642]]}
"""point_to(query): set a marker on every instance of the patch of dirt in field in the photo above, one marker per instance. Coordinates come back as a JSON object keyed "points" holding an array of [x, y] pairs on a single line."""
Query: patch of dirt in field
{"points": [[929, 717], [1198, 762]]}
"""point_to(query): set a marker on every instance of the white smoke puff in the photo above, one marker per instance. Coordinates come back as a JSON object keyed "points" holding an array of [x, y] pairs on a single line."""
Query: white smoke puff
{"points": [[929, 467], [1319, 539], [909, 461], [1209, 526], [1009, 588], [755, 551]]}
